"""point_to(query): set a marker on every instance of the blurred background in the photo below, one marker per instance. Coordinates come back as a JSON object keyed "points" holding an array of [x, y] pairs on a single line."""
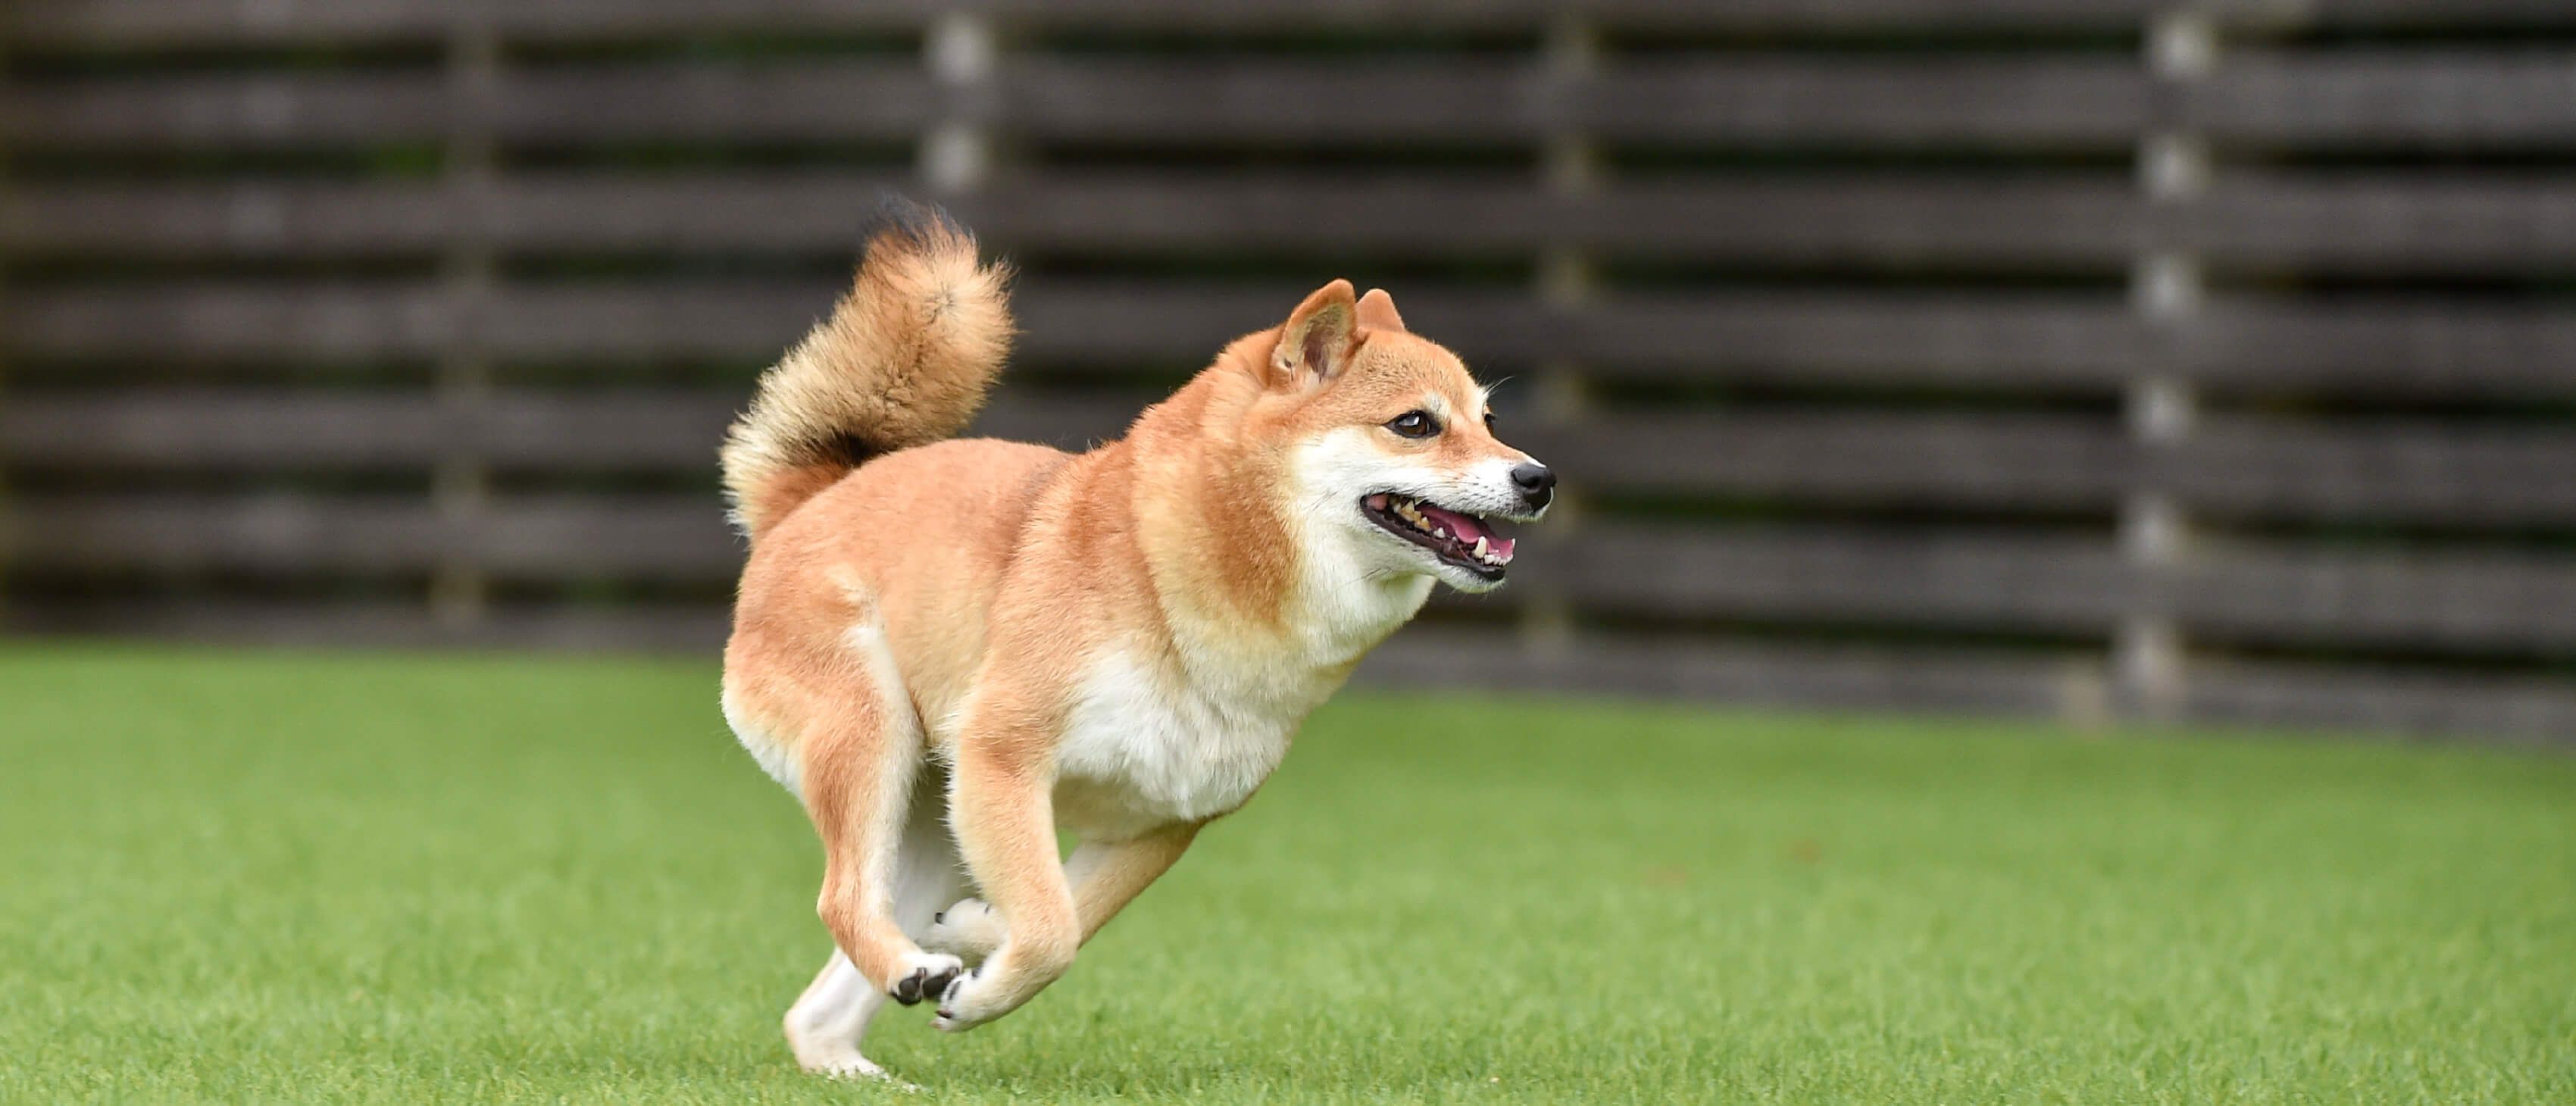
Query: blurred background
{"points": [[2111, 360]]}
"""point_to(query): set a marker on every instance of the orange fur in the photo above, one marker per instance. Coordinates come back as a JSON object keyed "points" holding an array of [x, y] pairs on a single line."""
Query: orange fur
{"points": [[1119, 643], [904, 360]]}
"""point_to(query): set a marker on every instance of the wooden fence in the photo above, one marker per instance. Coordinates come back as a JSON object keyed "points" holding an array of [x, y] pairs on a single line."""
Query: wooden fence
{"points": [[2111, 359]]}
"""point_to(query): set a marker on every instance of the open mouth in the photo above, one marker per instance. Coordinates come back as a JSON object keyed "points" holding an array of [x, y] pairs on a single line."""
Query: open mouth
{"points": [[1456, 537]]}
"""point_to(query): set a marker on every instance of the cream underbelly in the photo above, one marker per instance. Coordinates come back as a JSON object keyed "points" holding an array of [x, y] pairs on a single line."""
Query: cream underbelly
{"points": [[1143, 749]]}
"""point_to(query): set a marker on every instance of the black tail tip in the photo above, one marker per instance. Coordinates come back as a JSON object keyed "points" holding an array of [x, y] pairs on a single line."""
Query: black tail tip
{"points": [[901, 219]]}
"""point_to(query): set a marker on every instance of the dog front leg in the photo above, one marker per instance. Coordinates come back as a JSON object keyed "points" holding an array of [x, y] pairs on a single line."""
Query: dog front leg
{"points": [[1002, 808], [1105, 875]]}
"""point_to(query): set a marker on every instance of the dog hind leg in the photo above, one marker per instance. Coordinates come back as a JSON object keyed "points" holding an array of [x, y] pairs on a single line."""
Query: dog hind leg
{"points": [[830, 1019], [861, 757], [827, 1021]]}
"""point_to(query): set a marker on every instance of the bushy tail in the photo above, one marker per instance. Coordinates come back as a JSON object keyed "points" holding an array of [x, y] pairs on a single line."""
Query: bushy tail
{"points": [[904, 360]]}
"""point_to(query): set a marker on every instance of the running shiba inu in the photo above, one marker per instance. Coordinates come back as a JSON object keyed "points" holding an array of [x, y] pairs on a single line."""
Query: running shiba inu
{"points": [[949, 649]]}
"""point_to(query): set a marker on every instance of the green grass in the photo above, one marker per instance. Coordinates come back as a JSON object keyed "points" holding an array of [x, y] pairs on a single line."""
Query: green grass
{"points": [[256, 878]]}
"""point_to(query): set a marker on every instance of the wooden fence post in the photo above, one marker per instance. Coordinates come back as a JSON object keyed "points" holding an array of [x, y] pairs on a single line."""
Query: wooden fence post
{"points": [[1569, 166], [8, 524], [960, 50], [460, 484], [2150, 657]]}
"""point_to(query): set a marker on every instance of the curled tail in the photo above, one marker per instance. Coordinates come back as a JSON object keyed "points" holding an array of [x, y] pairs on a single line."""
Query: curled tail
{"points": [[904, 360]]}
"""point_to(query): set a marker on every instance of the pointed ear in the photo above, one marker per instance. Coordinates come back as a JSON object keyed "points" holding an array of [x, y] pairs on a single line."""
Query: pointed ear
{"points": [[1315, 344], [1377, 311]]}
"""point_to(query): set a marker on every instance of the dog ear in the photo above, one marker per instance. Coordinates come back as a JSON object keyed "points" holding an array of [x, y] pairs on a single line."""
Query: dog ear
{"points": [[1315, 344], [1377, 311]]}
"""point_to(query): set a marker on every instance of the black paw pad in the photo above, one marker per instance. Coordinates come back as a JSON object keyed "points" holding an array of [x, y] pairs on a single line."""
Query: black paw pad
{"points": [[937, 986], [908, 990]]}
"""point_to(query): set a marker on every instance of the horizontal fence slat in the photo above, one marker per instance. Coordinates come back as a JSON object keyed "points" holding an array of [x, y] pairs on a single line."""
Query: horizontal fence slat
{"points": [[2375, 469], [2096, 104], [2408, 225], [129, 24], [2427, 346], [63, 24], [202, 23], [2005, 461], [277, 534], [693, 629], [2092, 341], [210, 429], [633, 429], [519, 537], [1994, 340], [586, 105], [205, 320], [1244, 99], [2351, 345], [1734, 15], [1990, 100], [229, 112], [2439, 99], [1844, 574], [1789, 675], [2426, 601], [2394, 15], [2070, 219], [2077, 220], [2246, 468], [2428, 97], [2391, 699], [2093, 103], [2396, 224], [250, 219], [889, 98], [751, 322]]}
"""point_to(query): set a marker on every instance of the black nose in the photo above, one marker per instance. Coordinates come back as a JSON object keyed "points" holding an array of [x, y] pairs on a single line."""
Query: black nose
{"points": [[1537, 482]]}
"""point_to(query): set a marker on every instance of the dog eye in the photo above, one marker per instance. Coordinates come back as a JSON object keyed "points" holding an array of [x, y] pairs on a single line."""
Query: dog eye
{"points": [[1414, 424], [1489, 420]]}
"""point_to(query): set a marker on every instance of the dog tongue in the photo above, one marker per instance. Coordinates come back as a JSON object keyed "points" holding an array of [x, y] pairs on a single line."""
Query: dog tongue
{"points": [[1466, 529]]}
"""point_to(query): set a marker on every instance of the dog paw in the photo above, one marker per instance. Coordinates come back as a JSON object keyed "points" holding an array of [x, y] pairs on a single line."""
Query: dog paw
{"points": [[921, 975], [851, 1066], [970, 930], [840, 1061], [959, 1009]]}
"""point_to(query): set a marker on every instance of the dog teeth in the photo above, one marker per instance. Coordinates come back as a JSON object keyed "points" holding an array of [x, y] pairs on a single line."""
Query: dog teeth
{"points": [[1486, 550]]}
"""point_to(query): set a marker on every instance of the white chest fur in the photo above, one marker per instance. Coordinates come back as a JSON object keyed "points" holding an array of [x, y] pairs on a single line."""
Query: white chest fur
{"points": [[1145, 746]]}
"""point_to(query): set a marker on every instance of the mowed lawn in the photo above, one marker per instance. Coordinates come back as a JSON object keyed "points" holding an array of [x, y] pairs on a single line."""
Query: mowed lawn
{"points": [[396, 878]]}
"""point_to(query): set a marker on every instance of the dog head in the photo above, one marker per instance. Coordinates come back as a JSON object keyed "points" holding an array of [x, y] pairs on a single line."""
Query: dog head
{"points": [[1394, 459]]}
